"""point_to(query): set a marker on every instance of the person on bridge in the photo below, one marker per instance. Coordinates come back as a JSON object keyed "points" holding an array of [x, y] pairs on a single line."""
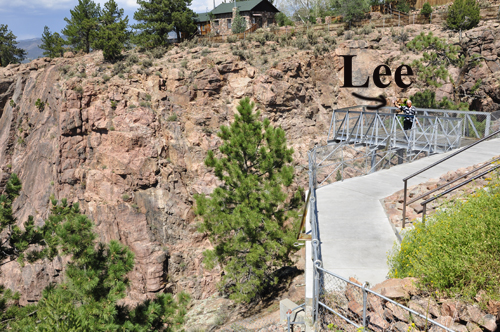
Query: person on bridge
{"points": [[409, 112]]}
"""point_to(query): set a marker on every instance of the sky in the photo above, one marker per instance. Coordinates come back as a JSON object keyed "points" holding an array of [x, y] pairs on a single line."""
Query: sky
{"points": [[27, 18]]}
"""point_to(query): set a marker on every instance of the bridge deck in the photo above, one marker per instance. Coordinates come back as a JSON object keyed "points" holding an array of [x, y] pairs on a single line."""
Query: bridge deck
{"points": [[355, 232]]}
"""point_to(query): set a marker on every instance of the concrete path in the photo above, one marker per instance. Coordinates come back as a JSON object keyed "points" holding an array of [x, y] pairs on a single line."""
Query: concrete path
{"points": [[355, 232]]}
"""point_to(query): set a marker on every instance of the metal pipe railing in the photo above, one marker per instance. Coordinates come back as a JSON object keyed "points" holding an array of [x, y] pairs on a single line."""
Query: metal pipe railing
{"points": [[424, 203], [405, 180]]}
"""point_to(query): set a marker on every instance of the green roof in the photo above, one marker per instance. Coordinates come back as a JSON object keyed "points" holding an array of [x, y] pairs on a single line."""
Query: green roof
{"points": [[203, 17], [243, 6]]}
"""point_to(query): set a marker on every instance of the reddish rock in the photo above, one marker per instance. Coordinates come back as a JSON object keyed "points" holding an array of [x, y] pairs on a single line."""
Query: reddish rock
{"points": [[396, 288]]}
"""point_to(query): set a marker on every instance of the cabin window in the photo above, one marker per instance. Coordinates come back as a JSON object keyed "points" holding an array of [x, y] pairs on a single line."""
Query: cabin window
{"points": [[216, 23], [229, 23], [269, 21]]}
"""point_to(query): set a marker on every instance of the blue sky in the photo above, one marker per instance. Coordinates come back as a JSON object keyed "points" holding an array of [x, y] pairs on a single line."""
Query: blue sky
{"points": [[26, 18]]}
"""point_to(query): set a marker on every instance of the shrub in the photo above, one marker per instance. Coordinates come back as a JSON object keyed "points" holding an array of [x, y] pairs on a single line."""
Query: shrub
{"points": [[65, 69], [78, 89], [132, 59], [459, 10], [146, 63], [12, 103], [232, 39], [158, 52], [184, 63], [260, 39], [301, 43], [240, 54], [330, 40], [320, 49], [426, 10], [172, 118], [113, 104], [340, 31], [403, 6], [205, 52], [119, 68], [106, 77], [456, 250], [125, 197], [348, 35], [312, 37], [367, 29]]}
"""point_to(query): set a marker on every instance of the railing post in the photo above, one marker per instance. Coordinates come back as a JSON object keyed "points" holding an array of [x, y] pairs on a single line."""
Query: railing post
{"points": [[364, 306], [488, 123], [347, 127], [404, 202], [424, 210]]}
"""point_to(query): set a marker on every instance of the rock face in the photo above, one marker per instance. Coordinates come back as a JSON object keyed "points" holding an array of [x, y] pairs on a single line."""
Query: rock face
{"points": [[129, 143]]}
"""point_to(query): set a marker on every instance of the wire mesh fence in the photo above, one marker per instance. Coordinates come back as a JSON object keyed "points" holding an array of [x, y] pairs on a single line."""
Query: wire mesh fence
{"points": [[345, 305]]}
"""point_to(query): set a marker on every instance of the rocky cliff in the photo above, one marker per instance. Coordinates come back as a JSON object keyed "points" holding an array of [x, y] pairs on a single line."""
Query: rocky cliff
{"points": [[128, 140]]}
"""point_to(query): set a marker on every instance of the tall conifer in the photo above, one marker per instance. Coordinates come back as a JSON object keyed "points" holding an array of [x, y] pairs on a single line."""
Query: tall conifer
{"points": [[113, 34], [52, 43], [159, 17], [9, 52], [250, 217], [83, 24]]}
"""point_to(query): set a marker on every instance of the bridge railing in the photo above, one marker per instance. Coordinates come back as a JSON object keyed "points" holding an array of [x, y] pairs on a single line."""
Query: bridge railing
{"points": [[357, 122]]}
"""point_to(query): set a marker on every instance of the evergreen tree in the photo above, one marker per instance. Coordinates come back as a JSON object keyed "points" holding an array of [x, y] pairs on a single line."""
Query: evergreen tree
{"points": [[283, 20], [9, 52], [82, 27], [351, 10], [52, 43], [247, 217], [426, 9], [463, 15], [95, 280], [158, 17], [113, 34], [239, 23], [438, 54]]}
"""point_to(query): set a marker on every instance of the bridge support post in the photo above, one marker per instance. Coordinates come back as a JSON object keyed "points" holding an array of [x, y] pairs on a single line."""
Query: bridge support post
{"points": [[400, 153], [373, 161]]}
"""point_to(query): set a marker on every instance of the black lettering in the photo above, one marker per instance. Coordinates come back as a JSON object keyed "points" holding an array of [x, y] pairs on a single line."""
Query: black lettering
{"points": [[348, 73], [399, 80], [376, 76]]}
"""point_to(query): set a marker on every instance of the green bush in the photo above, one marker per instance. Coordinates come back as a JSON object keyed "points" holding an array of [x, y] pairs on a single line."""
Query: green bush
{"points": [[146, 63], [403, 6], [459, 10], [283, 20], [456, 251], [39, 104], [426, 10], [301, 43], [232, 39]]}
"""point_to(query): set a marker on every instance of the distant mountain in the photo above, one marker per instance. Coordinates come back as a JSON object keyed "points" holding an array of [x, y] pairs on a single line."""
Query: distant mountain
{"points": [[31, 48]]}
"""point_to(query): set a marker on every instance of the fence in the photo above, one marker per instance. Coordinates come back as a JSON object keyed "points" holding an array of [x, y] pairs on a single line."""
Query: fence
{"points": [[346, 305], [343, 305]]}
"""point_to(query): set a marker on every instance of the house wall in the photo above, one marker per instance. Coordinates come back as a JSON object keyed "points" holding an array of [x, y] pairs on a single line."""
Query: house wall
{"points": [[223, 29]]}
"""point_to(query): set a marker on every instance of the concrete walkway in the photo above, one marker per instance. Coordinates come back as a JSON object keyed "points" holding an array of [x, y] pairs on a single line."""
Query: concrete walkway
{"points": [[355, 232]]}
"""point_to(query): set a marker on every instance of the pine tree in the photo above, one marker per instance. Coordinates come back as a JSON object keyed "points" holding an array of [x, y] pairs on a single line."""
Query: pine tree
{"points": [[351, 10], [52, 43], [463, 15], [95, 280], [158, 17], [247, 217], [438, 54], [239, 23], [9, 52], [82, 27], [113, 34]]}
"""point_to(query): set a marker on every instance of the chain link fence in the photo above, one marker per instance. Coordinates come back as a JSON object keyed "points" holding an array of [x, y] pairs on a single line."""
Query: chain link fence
{"points": [[345, 305]]}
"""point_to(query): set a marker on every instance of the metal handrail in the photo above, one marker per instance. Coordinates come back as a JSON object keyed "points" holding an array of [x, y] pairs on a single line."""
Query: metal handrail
{"points": [[303, 222], [405, 180], [424, 203]]}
